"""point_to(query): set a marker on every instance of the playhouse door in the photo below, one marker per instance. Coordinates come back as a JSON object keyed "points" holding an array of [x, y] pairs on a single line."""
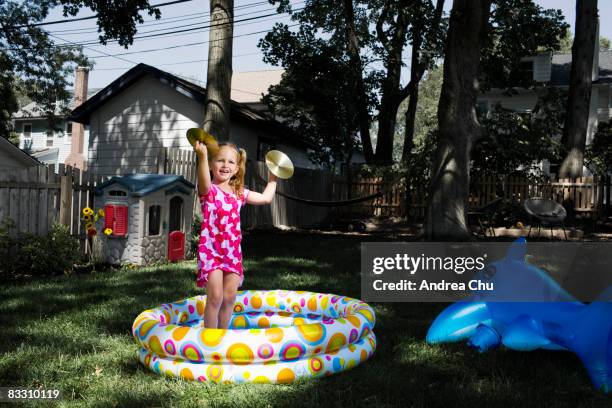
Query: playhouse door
{"points": [[176, 238]]}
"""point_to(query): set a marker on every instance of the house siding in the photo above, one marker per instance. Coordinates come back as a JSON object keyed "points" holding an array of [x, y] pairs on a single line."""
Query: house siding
{"points": [[519, 103], [38, 140], [130, 130], [541, 67]]}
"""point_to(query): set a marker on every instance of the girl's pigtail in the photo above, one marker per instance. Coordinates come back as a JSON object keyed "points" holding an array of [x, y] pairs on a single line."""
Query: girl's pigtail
{"points": [[238, 180]]}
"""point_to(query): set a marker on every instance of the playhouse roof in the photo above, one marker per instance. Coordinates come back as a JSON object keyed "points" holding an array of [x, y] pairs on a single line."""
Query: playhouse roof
{"points": [[142, 184]]}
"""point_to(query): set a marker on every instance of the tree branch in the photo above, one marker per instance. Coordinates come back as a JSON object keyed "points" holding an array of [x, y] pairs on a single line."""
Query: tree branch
{"points": [[380, 33]]}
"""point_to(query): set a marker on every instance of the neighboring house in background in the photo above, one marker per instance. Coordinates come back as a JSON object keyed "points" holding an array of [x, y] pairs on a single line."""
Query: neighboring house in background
{"points": [[249, 87], [12, 157], [146, 110], [553, 70], [48, 147]]}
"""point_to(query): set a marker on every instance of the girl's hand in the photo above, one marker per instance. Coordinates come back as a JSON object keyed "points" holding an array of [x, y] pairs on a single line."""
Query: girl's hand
{"points": [[200, 149], [271, 177]]}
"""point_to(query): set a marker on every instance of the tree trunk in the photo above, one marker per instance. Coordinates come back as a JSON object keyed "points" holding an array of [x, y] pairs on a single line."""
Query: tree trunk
{"points": [[458, 125], [410, 117], [219, 76], [389, 104], [416, 73], [579, 98], [360, 94]]}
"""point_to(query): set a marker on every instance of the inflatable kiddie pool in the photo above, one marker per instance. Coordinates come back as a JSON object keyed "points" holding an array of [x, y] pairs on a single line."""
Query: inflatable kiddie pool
{"points": [[274, 337]]}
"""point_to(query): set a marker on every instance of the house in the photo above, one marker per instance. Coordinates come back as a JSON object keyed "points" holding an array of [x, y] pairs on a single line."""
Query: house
{"points": [[12, 157], [145, 110], [35, 137], [248, 87], [553, 70]]}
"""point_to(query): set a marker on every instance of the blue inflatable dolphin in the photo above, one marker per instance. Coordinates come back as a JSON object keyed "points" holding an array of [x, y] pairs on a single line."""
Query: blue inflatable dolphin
{"points": [[545, 316]]}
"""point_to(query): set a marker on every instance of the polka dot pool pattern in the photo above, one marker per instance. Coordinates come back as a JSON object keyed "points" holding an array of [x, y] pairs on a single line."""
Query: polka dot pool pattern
{"points": [[275, 336]]}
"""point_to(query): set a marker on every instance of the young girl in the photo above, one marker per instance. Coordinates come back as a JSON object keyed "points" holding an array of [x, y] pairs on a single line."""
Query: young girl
{"points": [[219, 253]]}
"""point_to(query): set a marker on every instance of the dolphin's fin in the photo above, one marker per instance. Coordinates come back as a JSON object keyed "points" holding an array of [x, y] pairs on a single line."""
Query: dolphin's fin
{"points": [[484, 338], [525, 334], [517, 250]]}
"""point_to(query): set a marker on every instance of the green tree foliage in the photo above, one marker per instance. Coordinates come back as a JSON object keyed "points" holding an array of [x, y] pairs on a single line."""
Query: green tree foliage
{"points": [[598, 155], [516, 140], [418, 168], [31, 64], [316, 91], [518, 28], [565, 43], [328, 29]]}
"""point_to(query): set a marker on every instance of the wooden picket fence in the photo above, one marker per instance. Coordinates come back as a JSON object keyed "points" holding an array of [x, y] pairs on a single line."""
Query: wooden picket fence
{"points": [[35, 198], [173, 160], [321, 185], [586, 195]]}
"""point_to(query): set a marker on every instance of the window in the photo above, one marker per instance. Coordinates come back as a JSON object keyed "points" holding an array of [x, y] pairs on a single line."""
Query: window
{"points": [[27, 130], [263, 147], [49, 138], [116, 218], [117, 193], [68, 129], [154, 219], [176, 214]]}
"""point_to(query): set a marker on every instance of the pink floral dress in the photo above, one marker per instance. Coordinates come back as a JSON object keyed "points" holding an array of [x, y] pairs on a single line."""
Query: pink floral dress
{"points": [[220, 236]]}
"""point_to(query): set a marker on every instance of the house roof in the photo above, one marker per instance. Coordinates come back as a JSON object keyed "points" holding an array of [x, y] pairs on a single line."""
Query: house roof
{"points": [[46, 154], [17, 153], [249, 87], [142, 184], [238, 111], [32, 111], [562, 64]]}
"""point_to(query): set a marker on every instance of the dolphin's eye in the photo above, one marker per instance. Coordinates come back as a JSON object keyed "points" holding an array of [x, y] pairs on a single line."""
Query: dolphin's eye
{"points": [[489, 271]]}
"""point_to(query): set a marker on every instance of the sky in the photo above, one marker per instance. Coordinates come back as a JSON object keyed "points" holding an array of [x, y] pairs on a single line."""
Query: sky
{"points": [[185, 54]]}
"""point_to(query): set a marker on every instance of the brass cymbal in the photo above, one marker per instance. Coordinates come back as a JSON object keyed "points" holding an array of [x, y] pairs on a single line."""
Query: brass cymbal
{"points": [[203, 136], [279, 164]]}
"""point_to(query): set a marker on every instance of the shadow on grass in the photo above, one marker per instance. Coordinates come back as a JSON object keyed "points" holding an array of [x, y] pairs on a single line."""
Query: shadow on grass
{"points": [[59, 331]]}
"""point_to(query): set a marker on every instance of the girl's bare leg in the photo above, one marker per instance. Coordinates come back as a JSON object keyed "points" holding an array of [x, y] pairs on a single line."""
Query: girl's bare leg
{"points": [[230, 286], [214, 299]]}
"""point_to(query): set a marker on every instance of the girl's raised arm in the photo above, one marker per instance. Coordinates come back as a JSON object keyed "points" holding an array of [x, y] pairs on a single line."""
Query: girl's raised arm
{"points": [[203, 171], [266, 197]]}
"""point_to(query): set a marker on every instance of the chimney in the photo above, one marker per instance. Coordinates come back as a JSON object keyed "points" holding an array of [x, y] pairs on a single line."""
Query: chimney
{"points": [[76, 157]]}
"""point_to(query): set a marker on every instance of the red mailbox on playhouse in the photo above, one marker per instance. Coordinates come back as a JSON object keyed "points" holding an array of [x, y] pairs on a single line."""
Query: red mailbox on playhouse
{"points": [[150, 215]]}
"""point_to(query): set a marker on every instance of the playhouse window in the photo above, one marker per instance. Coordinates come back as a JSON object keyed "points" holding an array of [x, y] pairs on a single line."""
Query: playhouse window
{"points": [[154, 219], [117, 193], [116, 218]]}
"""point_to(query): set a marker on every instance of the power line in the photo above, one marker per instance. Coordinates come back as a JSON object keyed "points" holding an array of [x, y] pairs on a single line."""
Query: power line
{"points": [[176, 19], [100, 52], [186, 29], [161, 34], [248, 21], [176, 63], [185, 45], [87, 18]]}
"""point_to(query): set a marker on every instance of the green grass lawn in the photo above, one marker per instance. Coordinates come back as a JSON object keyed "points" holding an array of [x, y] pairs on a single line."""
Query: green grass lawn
{"points": [[74, 333]]}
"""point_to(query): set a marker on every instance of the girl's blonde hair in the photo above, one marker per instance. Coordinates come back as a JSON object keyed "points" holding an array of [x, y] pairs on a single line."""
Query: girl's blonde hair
{"points": [[237, 181]]}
